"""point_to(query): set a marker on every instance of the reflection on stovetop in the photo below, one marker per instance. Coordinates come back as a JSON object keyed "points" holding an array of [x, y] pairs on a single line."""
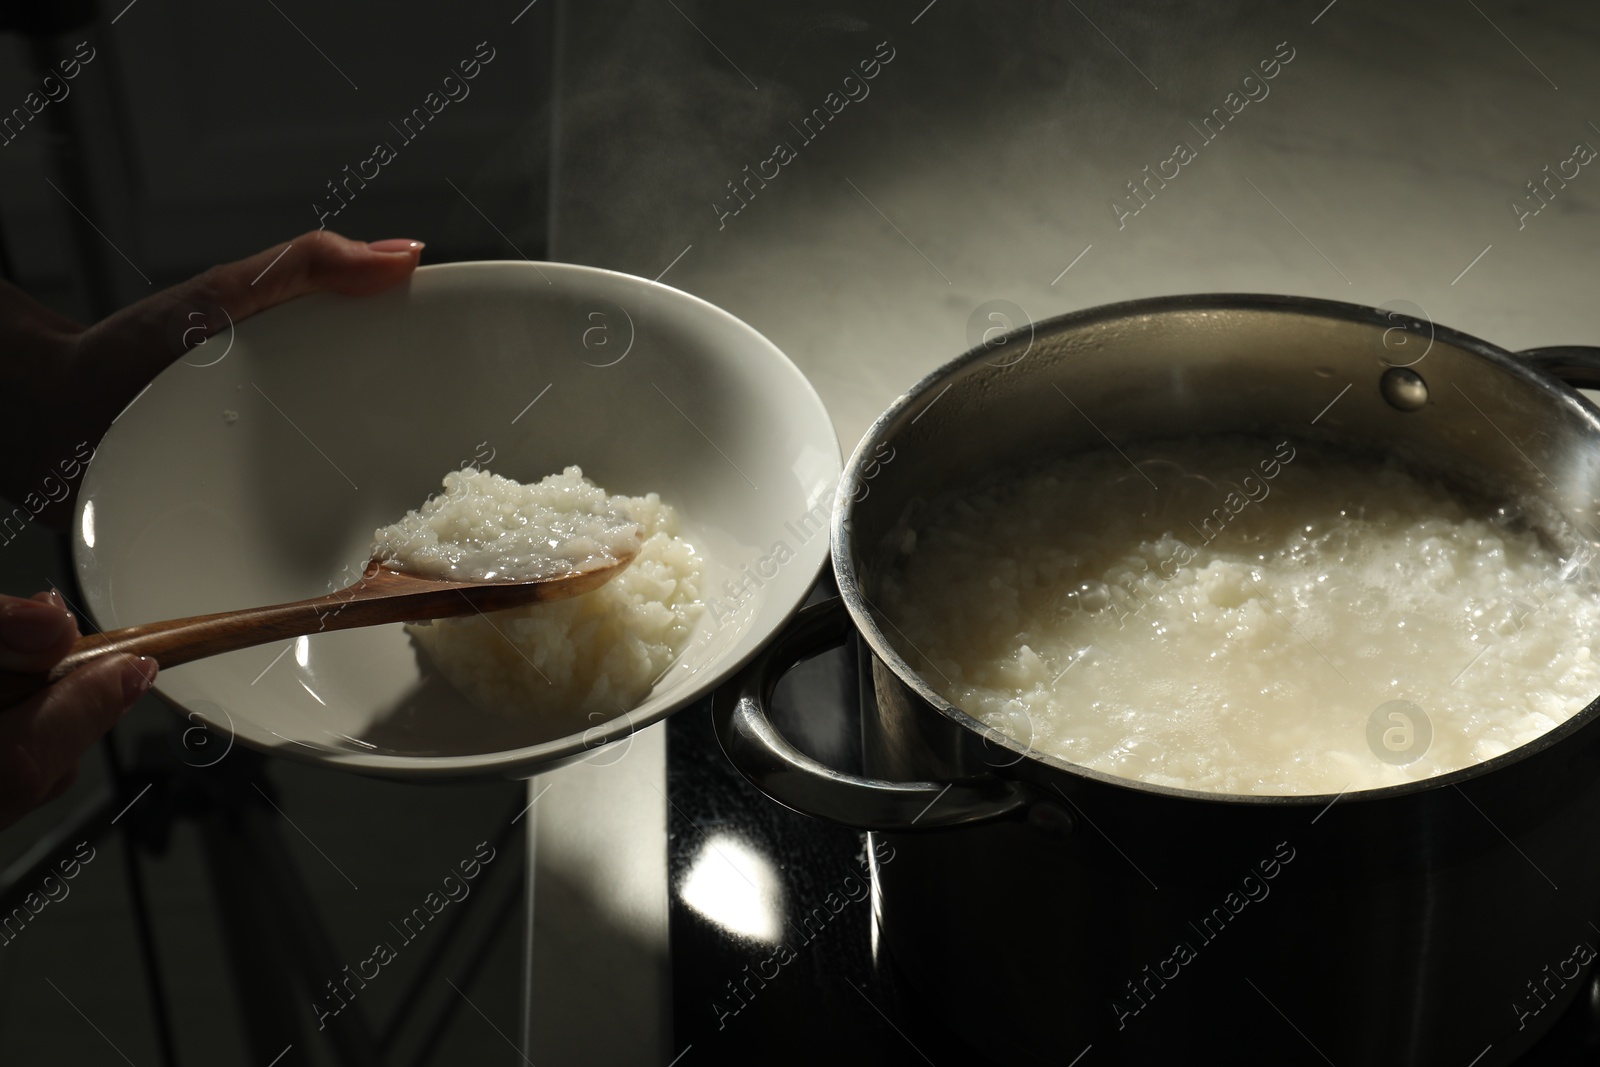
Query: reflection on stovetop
{"points": [[774, 958], [785, 973]]}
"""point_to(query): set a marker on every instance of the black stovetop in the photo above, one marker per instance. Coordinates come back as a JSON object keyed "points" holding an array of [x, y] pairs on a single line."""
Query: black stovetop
{"points": [[824, 996]]}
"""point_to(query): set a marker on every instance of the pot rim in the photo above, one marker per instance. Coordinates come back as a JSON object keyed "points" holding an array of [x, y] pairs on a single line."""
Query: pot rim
{"points": [[862, 610]]}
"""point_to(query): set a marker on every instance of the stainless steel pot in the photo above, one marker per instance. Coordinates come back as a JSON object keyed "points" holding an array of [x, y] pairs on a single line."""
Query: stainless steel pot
{"points": [[1049, 910]]}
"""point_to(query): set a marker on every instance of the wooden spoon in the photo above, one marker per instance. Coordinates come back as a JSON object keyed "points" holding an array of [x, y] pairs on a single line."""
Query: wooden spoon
{"points": [[379, 596]]}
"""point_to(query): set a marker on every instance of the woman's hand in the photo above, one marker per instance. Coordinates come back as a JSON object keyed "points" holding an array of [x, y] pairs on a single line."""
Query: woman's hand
{"points": [[42, 738], [62, 384]]}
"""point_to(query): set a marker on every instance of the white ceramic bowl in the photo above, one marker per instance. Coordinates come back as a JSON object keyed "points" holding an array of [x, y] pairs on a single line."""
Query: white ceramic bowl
{"points": [[258, 476]]}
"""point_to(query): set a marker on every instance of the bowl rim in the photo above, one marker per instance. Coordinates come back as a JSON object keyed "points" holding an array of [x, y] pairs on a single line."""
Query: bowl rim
{"points": [[524, 762], [1031, 762]]}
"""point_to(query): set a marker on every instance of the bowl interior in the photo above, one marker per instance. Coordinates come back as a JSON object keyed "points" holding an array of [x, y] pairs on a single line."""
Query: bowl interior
{"points": [[256, 468]]}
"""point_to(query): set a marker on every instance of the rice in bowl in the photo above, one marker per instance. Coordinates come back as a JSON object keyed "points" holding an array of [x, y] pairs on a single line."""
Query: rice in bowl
{"points": [[600, 652]]}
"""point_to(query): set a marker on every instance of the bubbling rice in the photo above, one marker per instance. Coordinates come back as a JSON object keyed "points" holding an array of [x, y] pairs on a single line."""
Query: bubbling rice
{"points": [[598, 652], [1239, 621]]}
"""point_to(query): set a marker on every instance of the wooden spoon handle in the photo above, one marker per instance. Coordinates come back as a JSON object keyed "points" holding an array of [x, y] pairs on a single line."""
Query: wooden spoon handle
{"points": [[380, 596], [175, 641]]}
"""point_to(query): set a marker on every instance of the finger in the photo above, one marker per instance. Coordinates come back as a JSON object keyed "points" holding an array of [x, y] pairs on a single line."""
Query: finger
{"points": [[54, 596], [42, 738], [35, 633], [316, 261], [148, 335]]}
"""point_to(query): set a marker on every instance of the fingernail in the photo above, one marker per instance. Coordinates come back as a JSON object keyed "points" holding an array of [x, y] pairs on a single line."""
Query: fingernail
{"points": [[52, 597], [396, 244], [32, 625], [138, 674]]}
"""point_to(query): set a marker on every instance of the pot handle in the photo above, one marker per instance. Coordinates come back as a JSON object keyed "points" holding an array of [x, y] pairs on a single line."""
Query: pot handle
{"points": [[1577, 365], [795, 780]]}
